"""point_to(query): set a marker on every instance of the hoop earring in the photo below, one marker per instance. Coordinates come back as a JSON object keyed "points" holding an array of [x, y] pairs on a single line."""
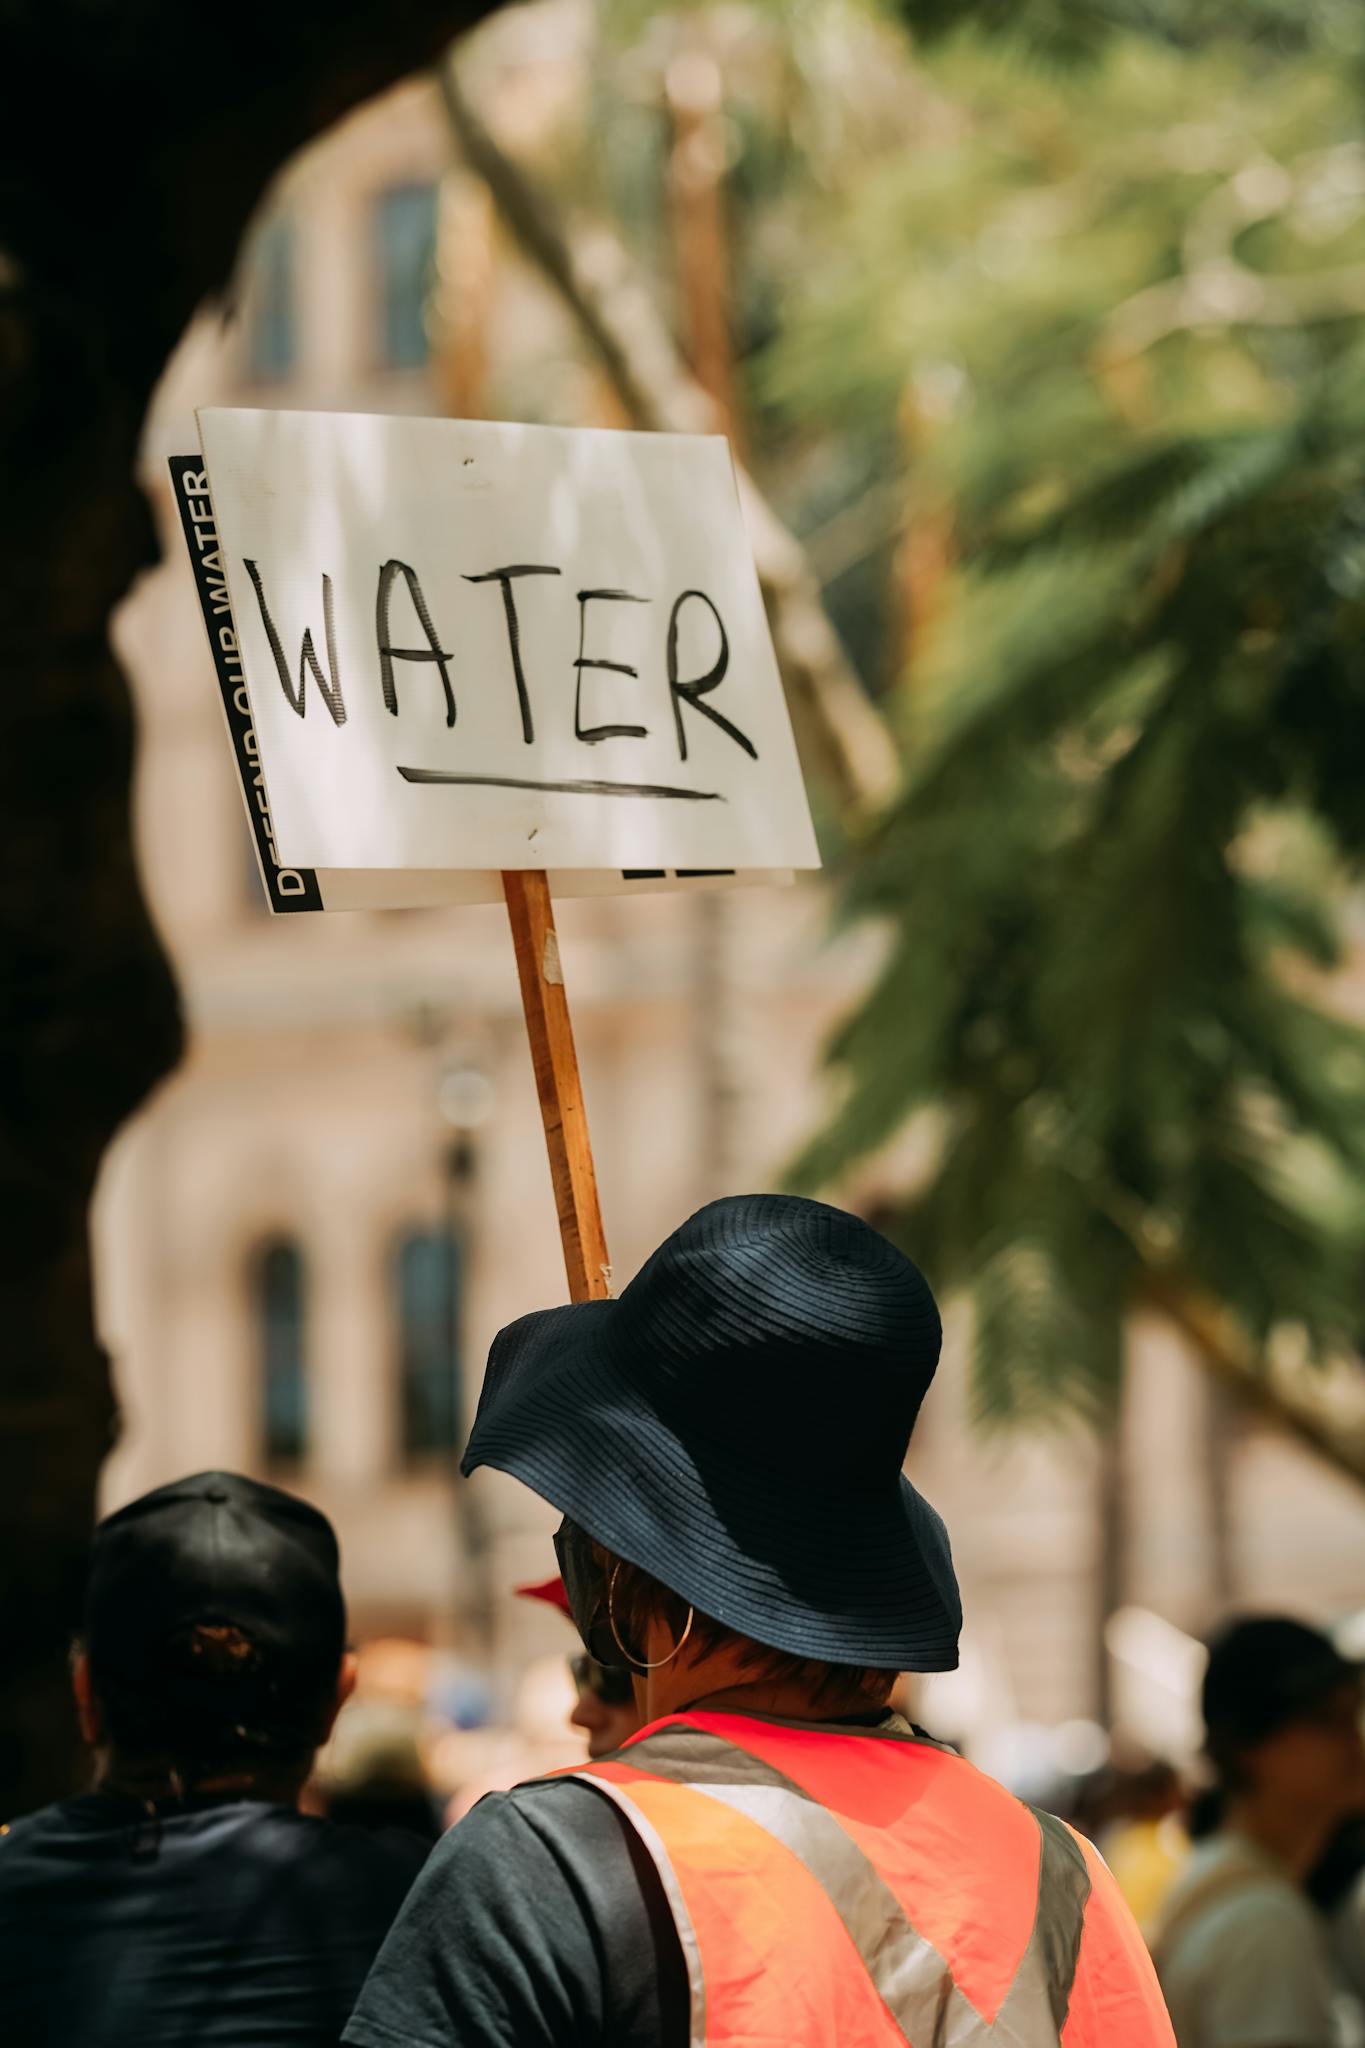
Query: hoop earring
{"points": [[641, 1663]]}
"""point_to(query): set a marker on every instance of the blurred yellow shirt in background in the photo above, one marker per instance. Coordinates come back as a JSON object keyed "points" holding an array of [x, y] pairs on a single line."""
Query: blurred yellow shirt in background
{"points": [[1146, 1857]]}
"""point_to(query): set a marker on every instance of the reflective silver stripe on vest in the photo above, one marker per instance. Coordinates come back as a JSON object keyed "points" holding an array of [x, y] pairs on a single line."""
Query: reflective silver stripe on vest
{"points": [[911, 1977], [1063, 1894]]}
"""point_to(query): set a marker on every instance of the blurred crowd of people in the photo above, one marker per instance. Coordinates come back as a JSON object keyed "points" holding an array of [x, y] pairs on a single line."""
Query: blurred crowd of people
{"points": [[1247, 1879], [287, 1842]]}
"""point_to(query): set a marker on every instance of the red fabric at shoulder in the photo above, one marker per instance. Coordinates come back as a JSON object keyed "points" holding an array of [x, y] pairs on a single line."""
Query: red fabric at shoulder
{"points": [[1115, 1998]]}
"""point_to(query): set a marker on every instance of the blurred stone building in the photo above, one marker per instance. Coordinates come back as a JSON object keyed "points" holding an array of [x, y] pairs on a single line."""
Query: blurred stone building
{"points": [[308, 1238]]}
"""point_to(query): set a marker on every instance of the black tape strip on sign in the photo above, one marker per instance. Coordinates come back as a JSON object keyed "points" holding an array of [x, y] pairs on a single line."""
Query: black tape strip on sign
{"points": [[287, 888]]}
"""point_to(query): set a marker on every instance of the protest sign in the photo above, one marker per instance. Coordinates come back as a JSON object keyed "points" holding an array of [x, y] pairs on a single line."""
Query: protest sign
{"points": [[462, 660], [473, 646]]}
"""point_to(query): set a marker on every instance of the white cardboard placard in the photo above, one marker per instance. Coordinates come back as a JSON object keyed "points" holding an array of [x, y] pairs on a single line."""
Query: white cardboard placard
{"points": [[474, 646]]}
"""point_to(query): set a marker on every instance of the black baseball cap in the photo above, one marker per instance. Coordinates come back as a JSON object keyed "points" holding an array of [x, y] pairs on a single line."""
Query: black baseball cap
{"points": [[219, 1555], [1266, 1670]]}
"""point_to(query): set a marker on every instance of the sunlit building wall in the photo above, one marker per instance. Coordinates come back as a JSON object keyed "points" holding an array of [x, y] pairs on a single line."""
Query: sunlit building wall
{"points": [[308, 1238]]}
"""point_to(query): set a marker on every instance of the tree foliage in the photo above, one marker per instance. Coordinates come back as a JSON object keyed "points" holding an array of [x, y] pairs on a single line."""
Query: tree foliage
{"points": [[1114, 314], [120, 211]]}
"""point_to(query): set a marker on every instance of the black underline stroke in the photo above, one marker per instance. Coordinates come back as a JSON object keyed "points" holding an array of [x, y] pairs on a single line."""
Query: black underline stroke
{"points": [[660, 789]]}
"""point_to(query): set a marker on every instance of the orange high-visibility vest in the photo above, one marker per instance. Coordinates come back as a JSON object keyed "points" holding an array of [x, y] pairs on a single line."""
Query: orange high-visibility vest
{"points": [[835, 1888]]}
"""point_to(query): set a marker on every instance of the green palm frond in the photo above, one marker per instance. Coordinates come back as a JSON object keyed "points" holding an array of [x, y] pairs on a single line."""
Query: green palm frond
{"points": [[1116, 882]]}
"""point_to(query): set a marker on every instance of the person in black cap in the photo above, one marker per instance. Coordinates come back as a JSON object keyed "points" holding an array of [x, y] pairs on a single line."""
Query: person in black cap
{"points": [[774, 1856], [186, 1898], [1241, 1951]]}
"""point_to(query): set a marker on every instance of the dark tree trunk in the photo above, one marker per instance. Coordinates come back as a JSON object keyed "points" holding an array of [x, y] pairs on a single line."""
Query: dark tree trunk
{"points": [[135, 141]]}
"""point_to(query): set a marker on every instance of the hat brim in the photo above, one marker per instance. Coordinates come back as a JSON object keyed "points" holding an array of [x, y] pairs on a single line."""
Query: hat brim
{"points": [[551, 1591], [863, 1578]]}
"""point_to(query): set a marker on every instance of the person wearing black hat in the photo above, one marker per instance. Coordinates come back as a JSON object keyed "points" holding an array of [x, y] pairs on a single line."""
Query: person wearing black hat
{"points": [[774, 1856], [187, 1898], [1242, 1953]]}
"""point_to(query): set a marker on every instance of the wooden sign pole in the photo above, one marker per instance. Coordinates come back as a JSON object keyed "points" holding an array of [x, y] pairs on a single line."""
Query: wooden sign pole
{"points": [[546, 1003]]}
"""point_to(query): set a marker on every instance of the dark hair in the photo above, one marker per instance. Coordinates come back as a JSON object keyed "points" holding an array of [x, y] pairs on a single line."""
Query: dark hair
{"points": [[211, 1705], [1226, 1752], [1208, 1809], [1334, 1874], [637, 1596]]}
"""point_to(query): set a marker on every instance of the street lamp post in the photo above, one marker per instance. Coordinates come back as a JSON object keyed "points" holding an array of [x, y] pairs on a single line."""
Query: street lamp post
{"points": [[466, 1099]]}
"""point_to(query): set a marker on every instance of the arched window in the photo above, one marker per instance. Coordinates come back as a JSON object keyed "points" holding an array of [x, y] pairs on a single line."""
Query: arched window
{"points": [[280, 1311], [427, 1273], [272, 319], [405, 235]]}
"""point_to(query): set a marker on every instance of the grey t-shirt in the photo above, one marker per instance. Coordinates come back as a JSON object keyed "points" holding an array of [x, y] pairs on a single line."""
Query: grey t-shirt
{"points": [[1242, 1954], [1348, 1936], [1348, 1948]]}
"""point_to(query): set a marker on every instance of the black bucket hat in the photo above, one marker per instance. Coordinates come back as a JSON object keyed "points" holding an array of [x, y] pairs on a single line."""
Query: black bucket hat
{"points": [[736, 1425]]}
